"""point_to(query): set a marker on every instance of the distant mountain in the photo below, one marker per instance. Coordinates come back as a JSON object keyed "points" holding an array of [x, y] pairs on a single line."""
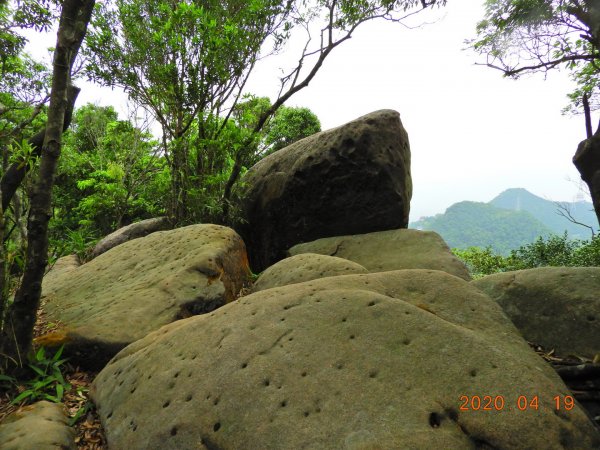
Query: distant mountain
{"points": [[546, 211], [468, 224], [514, 218]]}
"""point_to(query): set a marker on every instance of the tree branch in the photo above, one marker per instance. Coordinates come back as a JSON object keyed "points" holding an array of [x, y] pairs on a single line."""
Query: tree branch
{"points": [[543, 65]]}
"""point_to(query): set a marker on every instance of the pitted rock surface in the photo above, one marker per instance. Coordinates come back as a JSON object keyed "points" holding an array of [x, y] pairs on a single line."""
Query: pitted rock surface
{"points": [[390, 250], [347, 180], [305, 267], [141, 285], [133, 231], [349, 362], [555, 307], [40, 426]]}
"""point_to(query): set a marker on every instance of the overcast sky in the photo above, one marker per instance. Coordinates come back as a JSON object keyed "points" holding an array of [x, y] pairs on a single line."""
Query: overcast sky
{"points": [[472, 132]]}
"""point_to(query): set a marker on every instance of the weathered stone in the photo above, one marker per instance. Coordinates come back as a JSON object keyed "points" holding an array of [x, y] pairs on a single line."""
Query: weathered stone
{"points": [[555, 307], [348, 180], [390, 250], [133, 231], [40, 426], [305, 267], [379, 360], [59, 269], [587, 161], [140, 285]]}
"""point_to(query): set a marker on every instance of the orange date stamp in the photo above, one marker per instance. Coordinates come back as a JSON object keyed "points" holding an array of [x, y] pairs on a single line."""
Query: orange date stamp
{"points": [[521, 403]]}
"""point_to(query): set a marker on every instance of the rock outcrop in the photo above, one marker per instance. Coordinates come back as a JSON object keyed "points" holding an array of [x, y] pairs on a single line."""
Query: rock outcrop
{"points": [[587, 161], [305, 267], [555, 307], [349, 180], [141, 285], [390, 250], [133, 231], [400, 359], [42, 425]]}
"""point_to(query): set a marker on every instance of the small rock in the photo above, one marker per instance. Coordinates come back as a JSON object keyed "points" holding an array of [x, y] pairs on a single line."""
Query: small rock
{"points": [[40, 426], [390, 250], [133, 231], [305, 267]]}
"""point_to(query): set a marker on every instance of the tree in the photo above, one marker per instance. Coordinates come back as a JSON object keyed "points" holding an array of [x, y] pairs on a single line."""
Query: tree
{"points": [[183, 62], [524, 36], [188, 62], [335, 22], [17, 332], [109, 174], [290, 124], [520, 36]]}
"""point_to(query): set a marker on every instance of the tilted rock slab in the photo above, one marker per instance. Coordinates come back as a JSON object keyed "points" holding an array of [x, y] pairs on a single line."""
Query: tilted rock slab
{"points": [[305, 267], [59, 269], [133, 231], [350, 362], [141, 285], [390, 250], [555, 307], [347, 180], [40, 426]]}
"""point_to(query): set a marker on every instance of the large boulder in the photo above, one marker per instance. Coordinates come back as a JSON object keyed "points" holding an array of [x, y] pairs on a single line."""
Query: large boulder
{"points": [[141, 285], [305, 267], [587, 161], [42, 425], [555, 307], [133, 231], [390, 250], [59, 269], [387, 360], [348, 180]]}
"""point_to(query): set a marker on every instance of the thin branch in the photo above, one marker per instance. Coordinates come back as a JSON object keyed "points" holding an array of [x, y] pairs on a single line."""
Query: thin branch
{"points": [[564, 210], [543, 65]]}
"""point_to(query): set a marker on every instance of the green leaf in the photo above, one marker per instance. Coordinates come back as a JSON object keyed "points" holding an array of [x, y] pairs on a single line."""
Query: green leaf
{"points": [[23, 395]]}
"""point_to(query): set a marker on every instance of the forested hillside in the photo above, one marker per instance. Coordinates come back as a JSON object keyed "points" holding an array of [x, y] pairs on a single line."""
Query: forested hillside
{"points": [[467, 224], [551, 213]]}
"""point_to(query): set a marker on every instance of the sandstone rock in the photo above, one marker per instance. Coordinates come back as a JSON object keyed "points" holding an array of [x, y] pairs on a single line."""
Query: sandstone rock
{"points": [[133, 231], [390, 250], [587, 161], [140, 285], [305, 267], [357, 362], [348, 180], [59, 269], [555, 307], [40, 426]]}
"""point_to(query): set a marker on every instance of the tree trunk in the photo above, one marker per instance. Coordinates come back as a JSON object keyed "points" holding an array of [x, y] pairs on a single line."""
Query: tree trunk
{"points": [[21, 315], [179, 181], [13, 177]]}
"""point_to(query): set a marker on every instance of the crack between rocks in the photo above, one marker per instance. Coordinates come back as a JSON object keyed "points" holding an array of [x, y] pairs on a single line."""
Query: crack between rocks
{"points": [[337, 249]]}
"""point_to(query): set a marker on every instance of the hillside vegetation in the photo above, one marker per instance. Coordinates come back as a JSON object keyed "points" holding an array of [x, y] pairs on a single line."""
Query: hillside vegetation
{"points": [[513, 219], [558, 251]]}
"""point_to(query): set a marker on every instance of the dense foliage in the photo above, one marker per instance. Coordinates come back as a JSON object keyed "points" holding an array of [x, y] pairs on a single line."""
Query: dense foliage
{"points": [[552, 251], [520, 36]]}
